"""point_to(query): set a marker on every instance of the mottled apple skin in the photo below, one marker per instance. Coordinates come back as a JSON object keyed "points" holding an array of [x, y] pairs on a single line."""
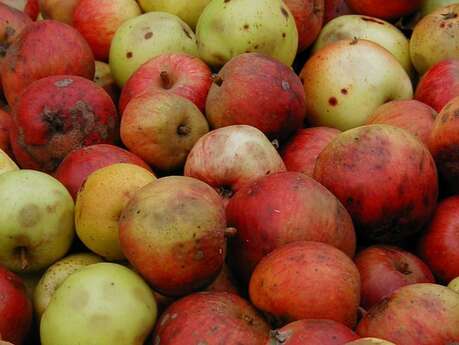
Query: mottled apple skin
{"points": [[335, 8], [212, 318], [390, 9], [384, 176], [5, 125], [58, 114], [419, 314], [384, 269], [282, 208], [287, 283]]}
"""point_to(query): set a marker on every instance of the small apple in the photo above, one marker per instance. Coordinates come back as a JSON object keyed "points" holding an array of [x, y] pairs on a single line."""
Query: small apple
{"points": [[6, 163], [60, 10], [104, 78], [390, 9]]}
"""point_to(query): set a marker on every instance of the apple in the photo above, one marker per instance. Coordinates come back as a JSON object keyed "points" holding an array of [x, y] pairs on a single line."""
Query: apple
{"points": [[415, 117], [433, 38], [37, 228], [55, 276], [344, 98], [6, 163], [230, 157], [102, 304], [5, 125], [384, 269], [211, 318], [103, 77], [15, 308], [139, 39], [239, 96], [370, 341], [98, 20], [60, 10], [410, 316], [162, 128], [454, 284], [229, 28], [29, 7], [58, 114], [281, 208], [390, 9], [429, 6], [301, 151], [312, 332], [335, 8], [439, 85], [368, 28], [384, 176], [181, 74]]}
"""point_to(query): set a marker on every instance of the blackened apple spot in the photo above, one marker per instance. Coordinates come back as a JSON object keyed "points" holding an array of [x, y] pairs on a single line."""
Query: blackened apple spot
{"points": [[246, 27], [129, 55], [284, 34], [187, 33], [217, 80], [148, 35], [284, 12], [333, 101], [344, 91], [373, 20], [225, 191], [53, 120]]}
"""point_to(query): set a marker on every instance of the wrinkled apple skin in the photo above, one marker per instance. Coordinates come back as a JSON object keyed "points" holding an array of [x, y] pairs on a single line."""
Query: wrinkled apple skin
{"points": [[390, 9], [60, 10]]}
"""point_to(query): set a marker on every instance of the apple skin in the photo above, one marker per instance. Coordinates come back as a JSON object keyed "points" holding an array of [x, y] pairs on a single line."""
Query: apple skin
{"points": [[281, 208], [312, 332], [390, 9], [384, 176], [212, 159], [370, 341], [103, 77], [181, 74], [418, 314], [384, 269], [301, 152], [411, 115], [335, 8], [60, 10], [6, 163], [343, 98], [29, 7], [15, 309], [98, 20], [429, 6], [5, 125], [238, 96], [454, 285], [58, 114]]}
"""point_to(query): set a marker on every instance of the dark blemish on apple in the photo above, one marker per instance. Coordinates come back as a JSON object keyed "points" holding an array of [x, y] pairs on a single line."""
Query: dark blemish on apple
{"points": [[367, 19], [183, 130], [185, 30], [284, 34], [344, 91], [442, 25], [284, 12], [333, 101], [217, 80], [148, 35], [403, 268], [285, 85], [225, 192], [199, 255], [226, 1], [450, 15], [246, 27], [53, 120], [165, 80], [256, 46], [129, 55], [63, 83]]}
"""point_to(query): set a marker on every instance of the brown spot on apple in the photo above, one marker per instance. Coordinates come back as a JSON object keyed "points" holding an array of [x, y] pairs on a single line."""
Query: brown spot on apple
{"points": [[148, 35], [373, 20], [246, 27], [284, 12], [344, 91], [333, 101], [29, 215], [129, 55]]}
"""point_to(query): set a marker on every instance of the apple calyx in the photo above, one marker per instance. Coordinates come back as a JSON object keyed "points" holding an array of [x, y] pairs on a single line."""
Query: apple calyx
{"points": [[403, 268], [230, 232], [355, 40], [277, 338], [217, 80], [166, 80], [276, 144], [225, 192], [449, 15], [53, 120], [183, 130]]}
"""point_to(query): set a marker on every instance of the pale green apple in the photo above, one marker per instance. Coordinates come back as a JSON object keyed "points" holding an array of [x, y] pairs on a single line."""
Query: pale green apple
{"points": [[6, 163], [347, 80], [36, 220], [229, 28], [454, 284], [139, 39], [368, 28], [188, 10], [101, 304], [429, 6], [55, 276]]}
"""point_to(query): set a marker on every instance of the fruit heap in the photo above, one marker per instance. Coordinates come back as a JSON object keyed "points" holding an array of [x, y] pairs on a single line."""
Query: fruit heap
{"points": [[229, 172]]}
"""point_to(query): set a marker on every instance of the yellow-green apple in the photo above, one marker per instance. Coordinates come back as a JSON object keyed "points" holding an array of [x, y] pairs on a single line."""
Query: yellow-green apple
{"points": [[229, 28], [139, 39], [5, 125], [434, 38], [60, 10], [230, 157], [287, 281], [370, 341], [161, 128], [384, 176], [55, 276], [100, 202], [179, 224], [238, 96], [182, 74], [418, 314], [367, 28], [29, 7], [98, 20], [415, 117], [429, 6], [101, 304], [6, 163], [390, 9], [104, 78], [36, 229], [454, 284], [335, 8], [344, 98]]}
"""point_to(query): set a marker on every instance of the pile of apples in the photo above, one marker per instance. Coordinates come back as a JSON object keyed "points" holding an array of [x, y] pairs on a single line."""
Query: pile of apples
{"points": [[229, 172]]}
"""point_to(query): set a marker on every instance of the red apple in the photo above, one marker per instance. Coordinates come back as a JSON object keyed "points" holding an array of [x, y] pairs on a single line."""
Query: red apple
{"points": [[282, 208], [384, 176], [414, 116], [5, 124], [34, 55], [335, 8], [312, 332], [29, 7], [384, 269], [390, 9], [178, 73], [80, 163], [307, 280], [60, 10], [15, 308], [257, 90], [58, 114], [301, 152]]}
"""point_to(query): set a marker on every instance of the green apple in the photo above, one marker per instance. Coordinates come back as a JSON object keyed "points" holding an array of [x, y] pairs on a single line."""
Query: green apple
{"points": [[230, 28], [139, 39], [101, 304], [429, 6], [36, 220], [55, 276], [6, 163], [368, 28]]}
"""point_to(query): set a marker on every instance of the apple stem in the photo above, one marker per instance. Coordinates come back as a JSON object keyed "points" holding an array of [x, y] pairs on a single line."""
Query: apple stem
{"points": [[165, 79], [217, 79], [23, 257], [230, 232]]}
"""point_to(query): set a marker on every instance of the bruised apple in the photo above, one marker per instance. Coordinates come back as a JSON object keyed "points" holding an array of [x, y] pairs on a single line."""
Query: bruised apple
{"points": [[390, 9]]}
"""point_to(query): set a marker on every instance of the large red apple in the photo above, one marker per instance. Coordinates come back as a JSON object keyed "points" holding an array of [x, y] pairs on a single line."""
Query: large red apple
{"points": [[29, 7], [44, 48], [390, 9], [384, 269], [384, 176], [335, 8], [5, 124], [282, 208], [58, 114], [178, 73], [15, 308]]}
